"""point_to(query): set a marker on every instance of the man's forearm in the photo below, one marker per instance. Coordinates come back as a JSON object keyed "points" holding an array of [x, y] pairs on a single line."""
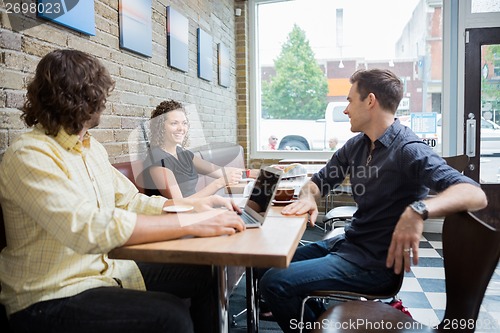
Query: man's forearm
{"points": [[459, 197], [310, 191]]}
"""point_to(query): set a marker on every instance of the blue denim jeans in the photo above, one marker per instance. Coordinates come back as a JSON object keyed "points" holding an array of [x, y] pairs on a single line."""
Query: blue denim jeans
{"points": [[114, 309], [316, 266]]}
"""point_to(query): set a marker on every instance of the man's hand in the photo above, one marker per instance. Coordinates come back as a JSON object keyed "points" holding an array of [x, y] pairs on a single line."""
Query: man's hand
{"points": [[405, 241], [306, 203], [302, 206], [223, 223]]}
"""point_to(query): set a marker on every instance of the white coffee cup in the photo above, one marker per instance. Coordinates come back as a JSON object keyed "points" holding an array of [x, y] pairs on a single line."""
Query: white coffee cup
{"points": [[248, 188]]}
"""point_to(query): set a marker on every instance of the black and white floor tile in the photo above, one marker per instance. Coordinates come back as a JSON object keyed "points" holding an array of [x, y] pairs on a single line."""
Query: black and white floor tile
{"points": [[423, 293]]}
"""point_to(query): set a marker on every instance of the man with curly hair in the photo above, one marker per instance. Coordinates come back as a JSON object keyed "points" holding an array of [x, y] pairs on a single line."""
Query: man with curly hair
{"points": [[65, 207]]}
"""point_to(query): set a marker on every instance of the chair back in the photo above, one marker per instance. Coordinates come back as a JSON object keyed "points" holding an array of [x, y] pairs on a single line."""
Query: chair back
{"points": [[471, 250], [222, 154], [458, 162], [490, 214], [133, 171]]}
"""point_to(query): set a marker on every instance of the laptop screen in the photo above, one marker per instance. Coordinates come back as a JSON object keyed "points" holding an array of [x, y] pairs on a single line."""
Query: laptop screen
{"points": [[263, 192]]}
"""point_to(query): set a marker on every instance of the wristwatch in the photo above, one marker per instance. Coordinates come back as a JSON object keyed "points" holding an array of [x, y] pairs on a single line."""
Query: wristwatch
{"points": [[420, 208]]}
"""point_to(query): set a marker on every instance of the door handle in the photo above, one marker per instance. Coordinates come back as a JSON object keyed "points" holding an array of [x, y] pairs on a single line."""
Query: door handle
{"points": [[470, 138]]}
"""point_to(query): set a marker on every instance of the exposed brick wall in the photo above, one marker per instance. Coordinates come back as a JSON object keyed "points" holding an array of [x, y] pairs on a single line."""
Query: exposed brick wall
{"points": [[141, 82], [242, 73], [242, 85]]}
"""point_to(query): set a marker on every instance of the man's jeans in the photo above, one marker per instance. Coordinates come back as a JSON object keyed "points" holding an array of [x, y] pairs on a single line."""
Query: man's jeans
{"points": [[316, 267], [114, 309]]}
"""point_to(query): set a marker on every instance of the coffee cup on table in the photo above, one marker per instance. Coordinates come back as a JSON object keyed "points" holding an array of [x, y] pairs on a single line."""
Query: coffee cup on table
{"points": [[248, 188], [284, 194]]}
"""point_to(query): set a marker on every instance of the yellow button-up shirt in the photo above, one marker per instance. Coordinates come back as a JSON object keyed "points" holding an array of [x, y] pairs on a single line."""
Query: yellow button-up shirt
{"points": [[65, 206]]}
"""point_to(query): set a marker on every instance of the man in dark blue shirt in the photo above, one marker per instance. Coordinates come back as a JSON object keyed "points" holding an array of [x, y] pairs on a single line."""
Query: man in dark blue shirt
{"points": [[391, 171]]}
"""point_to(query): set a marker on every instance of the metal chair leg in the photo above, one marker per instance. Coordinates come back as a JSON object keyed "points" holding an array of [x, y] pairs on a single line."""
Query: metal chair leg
{"points": [[302, 309], [235, 317]]}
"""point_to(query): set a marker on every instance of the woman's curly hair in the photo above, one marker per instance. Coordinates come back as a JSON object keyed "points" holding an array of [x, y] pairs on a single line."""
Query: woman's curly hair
{"points": [[68, 88], [157, 124]]}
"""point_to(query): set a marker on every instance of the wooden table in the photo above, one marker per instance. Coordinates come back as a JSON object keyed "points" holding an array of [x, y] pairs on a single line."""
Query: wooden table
{"points": [[304, 161], [237, 190], [311, 166], [272, 245]]}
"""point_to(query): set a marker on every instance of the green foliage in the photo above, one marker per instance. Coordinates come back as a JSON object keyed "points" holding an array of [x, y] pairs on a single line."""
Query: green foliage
{"points": [[490, 89], [299, 88]]}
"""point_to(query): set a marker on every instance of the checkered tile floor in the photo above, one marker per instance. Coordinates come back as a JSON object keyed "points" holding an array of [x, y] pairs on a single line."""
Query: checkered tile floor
{"points": [[423, 292]]}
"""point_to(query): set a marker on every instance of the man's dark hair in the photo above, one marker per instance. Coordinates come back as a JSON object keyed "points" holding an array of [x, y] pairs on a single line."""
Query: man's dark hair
{"points": [[68, 88], [384, 84]]}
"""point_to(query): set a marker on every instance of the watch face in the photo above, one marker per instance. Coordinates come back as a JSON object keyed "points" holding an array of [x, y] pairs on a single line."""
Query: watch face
{"points": [[420, 208]]}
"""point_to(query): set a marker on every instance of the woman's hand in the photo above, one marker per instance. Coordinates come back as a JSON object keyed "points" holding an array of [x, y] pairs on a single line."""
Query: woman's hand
{"points": [[231, 176], [202, 204], [214, 201]]}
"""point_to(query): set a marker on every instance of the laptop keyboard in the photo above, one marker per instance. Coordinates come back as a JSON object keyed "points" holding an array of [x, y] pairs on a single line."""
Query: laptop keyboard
{"points": [[247, 218]]}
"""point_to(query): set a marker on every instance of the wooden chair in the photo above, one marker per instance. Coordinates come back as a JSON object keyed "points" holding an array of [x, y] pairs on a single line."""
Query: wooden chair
{"points": [[458, 162], [344, 296], [471, 250], [133, 171]]}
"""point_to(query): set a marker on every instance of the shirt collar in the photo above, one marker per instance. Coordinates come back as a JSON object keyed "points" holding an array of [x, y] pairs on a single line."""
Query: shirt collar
{"points": [[72, 141], [389, 135]]}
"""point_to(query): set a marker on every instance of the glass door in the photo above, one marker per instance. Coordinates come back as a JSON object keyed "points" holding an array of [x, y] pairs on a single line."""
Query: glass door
{"points": [[482, 104]]}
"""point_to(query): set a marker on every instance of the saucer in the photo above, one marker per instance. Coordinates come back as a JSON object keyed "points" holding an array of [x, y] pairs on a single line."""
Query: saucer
{"points": [[282, 203], [178, 209]]}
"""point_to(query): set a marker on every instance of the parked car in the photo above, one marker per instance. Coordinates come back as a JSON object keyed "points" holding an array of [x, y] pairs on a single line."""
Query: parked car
{"points": [[490, 138], [299, 134]]}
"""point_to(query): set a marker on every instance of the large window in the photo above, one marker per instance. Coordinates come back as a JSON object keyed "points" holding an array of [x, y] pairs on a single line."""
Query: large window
{"points": [[304, 51]]}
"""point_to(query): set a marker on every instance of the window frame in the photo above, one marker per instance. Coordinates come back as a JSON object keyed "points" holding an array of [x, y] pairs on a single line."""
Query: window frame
{"points": [[254, 80], [448, 95]]}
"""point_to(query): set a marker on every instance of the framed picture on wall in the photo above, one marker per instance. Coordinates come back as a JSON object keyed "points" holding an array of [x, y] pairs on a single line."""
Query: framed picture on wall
{"points": [[76, 15], [223, 62], [177, 40], [205, 55], [135, 26]]}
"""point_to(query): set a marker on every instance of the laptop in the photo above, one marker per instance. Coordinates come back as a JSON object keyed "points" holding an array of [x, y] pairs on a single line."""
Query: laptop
{"points": [[262, 194]]}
